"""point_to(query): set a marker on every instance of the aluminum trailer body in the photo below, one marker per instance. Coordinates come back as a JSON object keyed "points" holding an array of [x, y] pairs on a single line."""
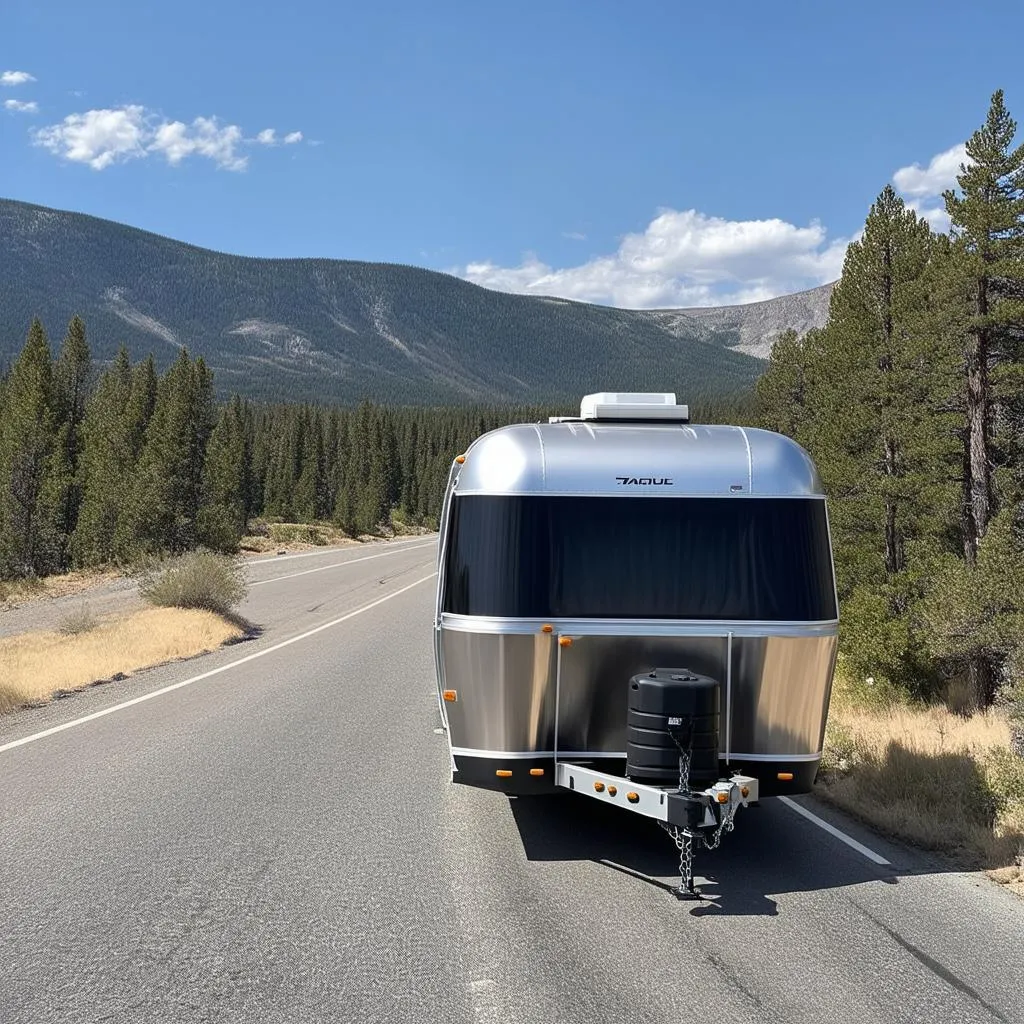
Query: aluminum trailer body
{"points": [[576, 553]]}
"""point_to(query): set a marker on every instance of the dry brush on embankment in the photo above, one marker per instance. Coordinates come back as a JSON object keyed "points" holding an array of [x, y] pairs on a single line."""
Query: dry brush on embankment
{"points": [[943, 781], [193, 600]]}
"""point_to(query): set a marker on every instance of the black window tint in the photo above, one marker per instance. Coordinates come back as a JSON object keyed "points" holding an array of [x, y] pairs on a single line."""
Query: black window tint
{"points": [[651, 558]]}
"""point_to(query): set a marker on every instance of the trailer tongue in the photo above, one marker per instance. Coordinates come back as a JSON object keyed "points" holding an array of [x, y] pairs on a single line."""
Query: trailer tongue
{"points": [[672, 766]]}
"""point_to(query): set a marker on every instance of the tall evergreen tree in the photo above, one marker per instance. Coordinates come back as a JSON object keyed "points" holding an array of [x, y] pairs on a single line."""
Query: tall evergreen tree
{"points": [[988, 236], [105, 465], [72, 385], [222, 515], [29, 461], [986, 265], [167, 485]]}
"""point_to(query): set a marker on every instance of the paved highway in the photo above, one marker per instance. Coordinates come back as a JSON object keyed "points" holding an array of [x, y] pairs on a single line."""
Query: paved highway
{"points": [[268, 834]]}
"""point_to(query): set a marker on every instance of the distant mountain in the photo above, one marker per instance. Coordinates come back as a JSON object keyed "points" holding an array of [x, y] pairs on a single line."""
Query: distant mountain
{"points": [[341, 330], [754, 327]]}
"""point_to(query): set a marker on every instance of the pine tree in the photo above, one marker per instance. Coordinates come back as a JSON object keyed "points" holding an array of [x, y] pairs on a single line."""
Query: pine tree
{"points": [[72, 384], [222, 517], [167, 485], [988, 235], [105, 464], [986, 266], [29, 457]]}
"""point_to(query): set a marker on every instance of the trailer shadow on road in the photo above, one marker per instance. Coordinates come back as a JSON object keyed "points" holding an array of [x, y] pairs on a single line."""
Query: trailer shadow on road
{"points": [[771, 852]]}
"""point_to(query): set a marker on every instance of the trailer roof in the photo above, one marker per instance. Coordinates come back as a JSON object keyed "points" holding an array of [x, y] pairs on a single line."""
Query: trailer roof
{"points": [[637, 459]]}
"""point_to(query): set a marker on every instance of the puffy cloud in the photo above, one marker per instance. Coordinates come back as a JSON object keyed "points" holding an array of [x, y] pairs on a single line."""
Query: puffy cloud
{"points": [[15, 77], [204, 137], [938, 219], [22, 106], [916, 181], [98, 138], [101, 138], [684, 258]]}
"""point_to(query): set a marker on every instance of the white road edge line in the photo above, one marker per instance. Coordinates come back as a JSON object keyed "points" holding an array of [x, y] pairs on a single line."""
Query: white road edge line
{"points": [[213, 672], [830, 829], [328, 550], [337, 565]]}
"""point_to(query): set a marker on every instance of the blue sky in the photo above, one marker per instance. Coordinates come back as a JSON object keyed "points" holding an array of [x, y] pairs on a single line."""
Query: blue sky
{"points": [[643, 154]]}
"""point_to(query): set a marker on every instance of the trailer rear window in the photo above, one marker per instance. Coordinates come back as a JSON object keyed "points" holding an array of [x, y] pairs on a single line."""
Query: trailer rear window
{"points": [[763, 559]]}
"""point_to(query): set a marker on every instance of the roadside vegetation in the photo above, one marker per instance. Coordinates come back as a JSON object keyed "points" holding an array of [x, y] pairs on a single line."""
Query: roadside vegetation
{"points": [[914, 769], [911, 401], [195, 597], [39, 666]]}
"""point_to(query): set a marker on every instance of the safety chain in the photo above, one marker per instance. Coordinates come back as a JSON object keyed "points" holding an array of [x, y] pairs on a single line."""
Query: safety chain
{"points": [[684, 843], [683, 838], [726, 825]]}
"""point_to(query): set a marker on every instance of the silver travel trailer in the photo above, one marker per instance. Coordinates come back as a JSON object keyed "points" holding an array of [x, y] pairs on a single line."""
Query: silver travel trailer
{"points": [[580, 557]]}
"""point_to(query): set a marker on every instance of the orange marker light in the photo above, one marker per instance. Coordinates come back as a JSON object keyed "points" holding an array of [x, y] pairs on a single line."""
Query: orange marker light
{"points": [[785, 776], [744, 792], [723, 798], [460, 459], [547, 628], [450, 695], [565, 641], [536, 771], [633, 797], [599, 786], [503, 773], [612, 790]]}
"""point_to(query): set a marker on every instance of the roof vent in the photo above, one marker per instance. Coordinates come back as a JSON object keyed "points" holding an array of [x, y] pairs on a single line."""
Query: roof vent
{"points": [[631, 405]]}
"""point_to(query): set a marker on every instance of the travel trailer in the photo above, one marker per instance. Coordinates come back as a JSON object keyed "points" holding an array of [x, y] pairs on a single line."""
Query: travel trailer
{"points": [[638, 609]]}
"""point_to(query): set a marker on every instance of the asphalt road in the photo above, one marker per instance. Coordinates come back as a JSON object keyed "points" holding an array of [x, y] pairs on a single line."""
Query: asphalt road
{"points": [[278, 841]]}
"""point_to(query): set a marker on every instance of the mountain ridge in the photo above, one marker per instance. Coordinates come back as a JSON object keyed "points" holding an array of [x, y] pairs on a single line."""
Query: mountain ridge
{"points": [[320, 329]]}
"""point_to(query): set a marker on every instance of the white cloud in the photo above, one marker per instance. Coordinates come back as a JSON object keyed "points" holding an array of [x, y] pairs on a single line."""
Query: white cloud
{"points": [[916, 181], [938, 219], [176, 140], [15, 77], [98, 138], [101, 138], [269, 137], [684, 258], [575, 236], [22, 106]]}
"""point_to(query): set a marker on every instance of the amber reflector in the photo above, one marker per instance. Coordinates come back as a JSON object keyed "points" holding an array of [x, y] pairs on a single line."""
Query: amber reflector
{"points": [[723, 798], [547, 628], [536, 771], [565, 641], [612, 791], [450, 695], [503, 773], [460, 459], [785, 776], [599, 786], [632, 797]]}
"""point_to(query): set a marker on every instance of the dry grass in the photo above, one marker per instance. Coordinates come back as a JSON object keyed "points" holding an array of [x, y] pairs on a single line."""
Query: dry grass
{"points": [[267, 538], [16, 592], [38, 665], [940, 780]]}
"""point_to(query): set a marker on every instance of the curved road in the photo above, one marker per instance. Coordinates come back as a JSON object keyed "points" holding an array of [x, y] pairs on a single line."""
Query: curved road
{"points": [[268, 834]]}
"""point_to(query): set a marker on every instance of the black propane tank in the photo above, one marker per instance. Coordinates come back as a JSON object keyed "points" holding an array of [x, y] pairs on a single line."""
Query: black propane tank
{"points": [[672, 693]]}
